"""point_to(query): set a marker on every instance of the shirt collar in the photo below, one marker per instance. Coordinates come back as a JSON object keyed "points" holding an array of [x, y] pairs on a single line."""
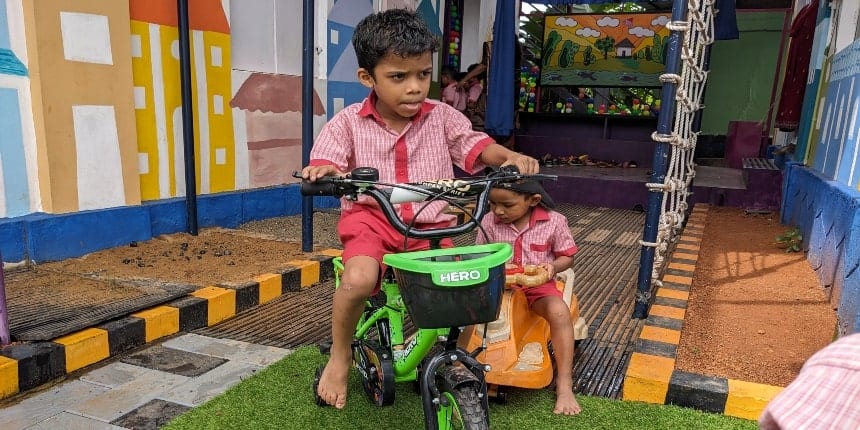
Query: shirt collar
{"points": [[368, 108], [538, 214]]}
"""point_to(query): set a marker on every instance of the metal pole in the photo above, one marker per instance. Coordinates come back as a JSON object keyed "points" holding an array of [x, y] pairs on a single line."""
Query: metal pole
{"points": [[5, 337], [307, 117], [660, 163], [187, 116]]}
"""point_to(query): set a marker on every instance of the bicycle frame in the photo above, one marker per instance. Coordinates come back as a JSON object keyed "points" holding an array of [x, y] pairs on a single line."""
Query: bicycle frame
{"points": [[407, 355]]}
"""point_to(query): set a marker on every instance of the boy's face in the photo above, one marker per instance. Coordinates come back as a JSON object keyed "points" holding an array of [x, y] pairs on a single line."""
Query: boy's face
{"points": [[401, 84]]}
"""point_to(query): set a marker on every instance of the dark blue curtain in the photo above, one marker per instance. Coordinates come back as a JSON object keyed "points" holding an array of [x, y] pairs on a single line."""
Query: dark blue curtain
{"points": [[499, 119]]}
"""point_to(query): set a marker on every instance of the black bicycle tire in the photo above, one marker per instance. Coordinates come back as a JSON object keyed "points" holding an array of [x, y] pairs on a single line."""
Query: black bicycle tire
{"points": [[468, 403]]}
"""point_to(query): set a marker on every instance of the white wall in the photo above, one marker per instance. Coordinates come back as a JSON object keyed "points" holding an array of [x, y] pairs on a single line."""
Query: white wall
{"points": [[267, 35], [846, 27]]}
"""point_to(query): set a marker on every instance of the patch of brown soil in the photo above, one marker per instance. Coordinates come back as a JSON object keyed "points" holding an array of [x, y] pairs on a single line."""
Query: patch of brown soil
{"points": [[756, 312], [213, 256]]}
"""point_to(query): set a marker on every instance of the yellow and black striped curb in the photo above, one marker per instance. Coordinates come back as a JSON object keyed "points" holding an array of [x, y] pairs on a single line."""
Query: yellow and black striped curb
{"points": [[651, 374], [28, 365]]}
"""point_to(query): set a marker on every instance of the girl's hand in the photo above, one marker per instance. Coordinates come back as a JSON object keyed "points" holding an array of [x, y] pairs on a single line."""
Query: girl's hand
{"points": [[312, 173], [550, 269]]}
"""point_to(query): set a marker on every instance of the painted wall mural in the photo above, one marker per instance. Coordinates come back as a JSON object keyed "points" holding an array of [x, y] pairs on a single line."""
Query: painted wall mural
{"points": [[604, 50], [90, 94], [17, 137], [157, 97], [83, 115], [837, 152], [272, 105], [343, 87]]}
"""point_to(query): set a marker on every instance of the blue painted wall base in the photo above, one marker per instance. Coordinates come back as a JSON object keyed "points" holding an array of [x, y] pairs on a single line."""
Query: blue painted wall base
{"points": [[828, 214], [44, 237]]}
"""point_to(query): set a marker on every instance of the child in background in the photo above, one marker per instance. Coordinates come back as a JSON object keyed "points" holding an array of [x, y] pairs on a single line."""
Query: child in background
{"points": [[476, 98], [408, 139], [521, 214], [451, 94]]}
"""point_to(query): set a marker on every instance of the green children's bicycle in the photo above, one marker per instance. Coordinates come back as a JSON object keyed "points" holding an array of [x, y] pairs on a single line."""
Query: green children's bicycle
{"points": [[441, 290]]}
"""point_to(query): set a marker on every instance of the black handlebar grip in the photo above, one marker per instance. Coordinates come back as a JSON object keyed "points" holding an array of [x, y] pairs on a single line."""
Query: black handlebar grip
{"points": [[321, 187]]}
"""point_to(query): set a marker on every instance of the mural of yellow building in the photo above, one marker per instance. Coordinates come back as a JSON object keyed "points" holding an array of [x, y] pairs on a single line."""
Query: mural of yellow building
{"points": [[83, 120], [158, 101]]}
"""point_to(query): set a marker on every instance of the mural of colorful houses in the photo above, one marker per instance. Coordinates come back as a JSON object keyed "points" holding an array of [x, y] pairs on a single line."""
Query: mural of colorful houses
{"points": [[272, 105], [17, 143], [90, 112], [82, 114], [157, 97], [343, 88]]}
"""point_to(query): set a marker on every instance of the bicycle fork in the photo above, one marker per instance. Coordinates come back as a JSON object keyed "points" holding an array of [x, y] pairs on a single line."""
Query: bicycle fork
{"points": [[431, 398]]}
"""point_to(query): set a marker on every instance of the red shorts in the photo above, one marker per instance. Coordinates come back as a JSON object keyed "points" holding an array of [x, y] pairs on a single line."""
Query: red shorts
{"points": [[367, 232], [547, 289]]}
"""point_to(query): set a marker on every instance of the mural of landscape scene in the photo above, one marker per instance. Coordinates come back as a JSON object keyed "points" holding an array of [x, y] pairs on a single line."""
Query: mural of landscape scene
{"points": [[604, 50]]}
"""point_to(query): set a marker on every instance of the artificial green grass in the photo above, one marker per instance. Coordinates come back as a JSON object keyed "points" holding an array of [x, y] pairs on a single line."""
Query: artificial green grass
{"points": [[280, 397]]}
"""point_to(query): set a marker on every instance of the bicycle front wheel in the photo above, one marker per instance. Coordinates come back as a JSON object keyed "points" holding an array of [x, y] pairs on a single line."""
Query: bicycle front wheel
{"points": [[461, 408]]}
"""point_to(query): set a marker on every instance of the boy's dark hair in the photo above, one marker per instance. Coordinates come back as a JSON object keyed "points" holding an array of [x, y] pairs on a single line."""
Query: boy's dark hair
{"points": [[394, 31], [448, 71]]}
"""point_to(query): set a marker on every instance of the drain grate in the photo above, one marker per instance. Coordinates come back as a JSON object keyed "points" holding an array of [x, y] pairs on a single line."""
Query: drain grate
{"points": [[759, 164], [44, 305]]}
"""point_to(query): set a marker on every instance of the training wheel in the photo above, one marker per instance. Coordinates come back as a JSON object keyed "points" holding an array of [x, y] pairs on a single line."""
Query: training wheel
{"points": [[497, 394]]}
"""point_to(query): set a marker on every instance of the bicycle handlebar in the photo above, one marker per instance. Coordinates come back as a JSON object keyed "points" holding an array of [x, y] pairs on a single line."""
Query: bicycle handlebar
{"points": [[365, 180]]}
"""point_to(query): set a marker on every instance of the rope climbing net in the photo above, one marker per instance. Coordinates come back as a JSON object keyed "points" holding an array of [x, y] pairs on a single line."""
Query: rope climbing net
{"points": [[697, 33]]}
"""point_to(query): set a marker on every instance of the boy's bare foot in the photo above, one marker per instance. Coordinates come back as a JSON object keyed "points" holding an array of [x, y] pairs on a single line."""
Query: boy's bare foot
{"points": [[566, 404], [333, 382]]}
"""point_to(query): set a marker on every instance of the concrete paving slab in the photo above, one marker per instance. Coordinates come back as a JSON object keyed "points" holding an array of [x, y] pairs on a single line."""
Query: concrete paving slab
{"points": [[204, 387], [69, 421], [44, 405], [119, 401], [233, 350], [152, 415], [174, 361], [115, 374]]}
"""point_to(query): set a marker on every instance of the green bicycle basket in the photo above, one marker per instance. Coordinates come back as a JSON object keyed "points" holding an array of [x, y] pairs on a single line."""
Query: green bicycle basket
{"points": [[452, 287]]}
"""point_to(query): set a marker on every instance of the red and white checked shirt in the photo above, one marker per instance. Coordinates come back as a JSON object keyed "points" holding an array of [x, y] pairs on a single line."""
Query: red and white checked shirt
{"points": [[825, 395], [437, 138], [546, 237]]}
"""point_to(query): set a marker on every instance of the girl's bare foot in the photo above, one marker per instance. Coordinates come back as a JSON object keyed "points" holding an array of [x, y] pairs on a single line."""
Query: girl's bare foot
{"points": [[333, 382], [566, 404]]}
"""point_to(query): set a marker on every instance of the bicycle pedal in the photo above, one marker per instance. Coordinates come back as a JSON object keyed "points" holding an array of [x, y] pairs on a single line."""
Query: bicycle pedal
{"points": [[317, 399], [325, 347]]}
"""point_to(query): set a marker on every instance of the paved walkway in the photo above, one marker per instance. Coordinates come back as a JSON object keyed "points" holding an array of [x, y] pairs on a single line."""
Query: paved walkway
{"points": [[144, 389]]}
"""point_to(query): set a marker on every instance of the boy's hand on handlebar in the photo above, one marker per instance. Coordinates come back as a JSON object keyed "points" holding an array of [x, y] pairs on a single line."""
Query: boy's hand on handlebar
{"points": [[525, 164], [313, 173]]}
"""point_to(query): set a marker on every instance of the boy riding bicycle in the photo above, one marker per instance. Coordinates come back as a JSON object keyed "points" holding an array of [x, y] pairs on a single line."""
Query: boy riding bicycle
{"points": [[521, 214], [409, 139]]}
